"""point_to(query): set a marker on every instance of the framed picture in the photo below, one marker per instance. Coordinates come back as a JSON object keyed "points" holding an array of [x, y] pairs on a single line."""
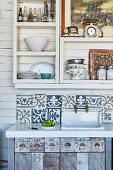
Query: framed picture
{"points": [[74, 12]]}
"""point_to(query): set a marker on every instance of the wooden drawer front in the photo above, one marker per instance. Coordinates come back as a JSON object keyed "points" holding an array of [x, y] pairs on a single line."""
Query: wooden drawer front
{"points": [[37, 161], [29, 145], [82, 145], [97, 144], [68, 161], [96, 161], [23, 161], [52, 144], [51, 161], [89, 144], [67, 144]]}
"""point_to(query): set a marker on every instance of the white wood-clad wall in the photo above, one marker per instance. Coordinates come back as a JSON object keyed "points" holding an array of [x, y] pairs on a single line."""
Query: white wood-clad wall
{"points": [[7, 91]]}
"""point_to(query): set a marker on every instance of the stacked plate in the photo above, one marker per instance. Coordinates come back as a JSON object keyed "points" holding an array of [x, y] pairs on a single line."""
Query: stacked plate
{"points": [[27, 75]]}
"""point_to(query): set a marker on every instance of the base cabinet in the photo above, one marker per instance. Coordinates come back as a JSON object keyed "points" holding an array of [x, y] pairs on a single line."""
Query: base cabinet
{"points": [[62, 161], [60, 154]]}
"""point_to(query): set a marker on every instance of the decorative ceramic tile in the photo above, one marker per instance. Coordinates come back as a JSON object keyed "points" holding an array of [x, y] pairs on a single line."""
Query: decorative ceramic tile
{"points": [[39, 101], [81, 101], [23, 115], [54, 101], [94, 101], [39, 116], [68, 101], [52, 145], [67, 145], [24, 101], [106, 108], [54, 114]]}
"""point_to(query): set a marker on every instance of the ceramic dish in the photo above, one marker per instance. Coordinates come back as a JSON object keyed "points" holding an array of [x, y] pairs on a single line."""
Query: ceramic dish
{"points": [[75, 61], [43, 67]]}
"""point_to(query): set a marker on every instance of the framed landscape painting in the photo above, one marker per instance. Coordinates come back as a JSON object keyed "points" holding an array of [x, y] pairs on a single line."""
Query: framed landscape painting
{"points": [[74, 12]]}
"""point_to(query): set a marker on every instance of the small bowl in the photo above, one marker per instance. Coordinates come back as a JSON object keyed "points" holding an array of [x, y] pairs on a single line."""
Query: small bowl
{"points": [[45, 75], [36, 43], [75, 61]]}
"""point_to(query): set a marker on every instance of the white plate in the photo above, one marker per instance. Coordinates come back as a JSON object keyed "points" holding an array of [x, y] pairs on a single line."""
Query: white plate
{"points": [[43, 67]]}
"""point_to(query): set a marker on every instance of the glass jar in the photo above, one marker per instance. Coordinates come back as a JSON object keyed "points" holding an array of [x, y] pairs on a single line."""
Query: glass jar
{"points": [[101, 73], [110, 73]]}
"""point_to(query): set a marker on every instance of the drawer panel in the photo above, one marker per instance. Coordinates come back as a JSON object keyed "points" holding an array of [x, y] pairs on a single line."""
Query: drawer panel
{"points": [[52, 144], [29, 144]]}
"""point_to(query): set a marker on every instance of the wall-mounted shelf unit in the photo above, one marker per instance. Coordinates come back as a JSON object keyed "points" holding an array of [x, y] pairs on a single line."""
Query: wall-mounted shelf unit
{"points": [[23, 57]]}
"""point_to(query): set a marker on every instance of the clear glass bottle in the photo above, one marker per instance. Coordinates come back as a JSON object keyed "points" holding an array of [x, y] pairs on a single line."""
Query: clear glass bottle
{"points": [[101, 73], [25, 15], [30, 17], [39, 15], [35, 19], [110, 73]]}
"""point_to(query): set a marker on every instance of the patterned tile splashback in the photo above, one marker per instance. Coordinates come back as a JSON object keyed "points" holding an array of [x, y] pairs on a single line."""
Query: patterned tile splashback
{"points": [[39, 107]]}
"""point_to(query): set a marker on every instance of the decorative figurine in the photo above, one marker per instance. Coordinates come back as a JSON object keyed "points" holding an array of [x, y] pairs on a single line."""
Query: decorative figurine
{"points": [[45, 15]]}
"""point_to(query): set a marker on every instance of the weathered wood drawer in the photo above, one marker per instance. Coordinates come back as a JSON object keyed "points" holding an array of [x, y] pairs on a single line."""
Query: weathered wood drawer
{"points": [[82, 144], [29, 144], [59, 145]]}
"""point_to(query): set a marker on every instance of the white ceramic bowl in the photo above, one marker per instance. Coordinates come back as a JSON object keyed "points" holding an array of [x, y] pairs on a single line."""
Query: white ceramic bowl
{"points": [[36, 43]]}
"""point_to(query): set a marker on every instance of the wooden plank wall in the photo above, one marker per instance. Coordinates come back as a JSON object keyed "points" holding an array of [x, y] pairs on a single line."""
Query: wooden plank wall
{"points": [[7, 92]]}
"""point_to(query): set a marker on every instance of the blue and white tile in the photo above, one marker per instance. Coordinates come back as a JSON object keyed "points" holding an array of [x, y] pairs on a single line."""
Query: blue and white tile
{"points": [[81, 101], [39, 116], [106, 108], [68, 101], [39, 101], [23, 115], [94, 101], [54, 114], [54, 101], [24, 101]]}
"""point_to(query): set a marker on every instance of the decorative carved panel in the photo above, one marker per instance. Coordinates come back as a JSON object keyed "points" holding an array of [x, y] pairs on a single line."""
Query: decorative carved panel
{"points": [[99, 57]]}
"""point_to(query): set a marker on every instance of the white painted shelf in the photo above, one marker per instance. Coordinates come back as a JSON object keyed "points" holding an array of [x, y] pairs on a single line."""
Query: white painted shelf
{"points": [[81, 85], [36, 24], [84, 39], [29, 53]]}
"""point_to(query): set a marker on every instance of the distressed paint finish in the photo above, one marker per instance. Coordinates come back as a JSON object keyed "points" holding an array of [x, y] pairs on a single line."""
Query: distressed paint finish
{"points": [[23, 161], [82, 145], [37, 161], [67, 145], [109, 154], [51, 161], [52, 145], [68, 161], [11, 154], [29, 144], [97, 144], [82, 161], [96, 161]]}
